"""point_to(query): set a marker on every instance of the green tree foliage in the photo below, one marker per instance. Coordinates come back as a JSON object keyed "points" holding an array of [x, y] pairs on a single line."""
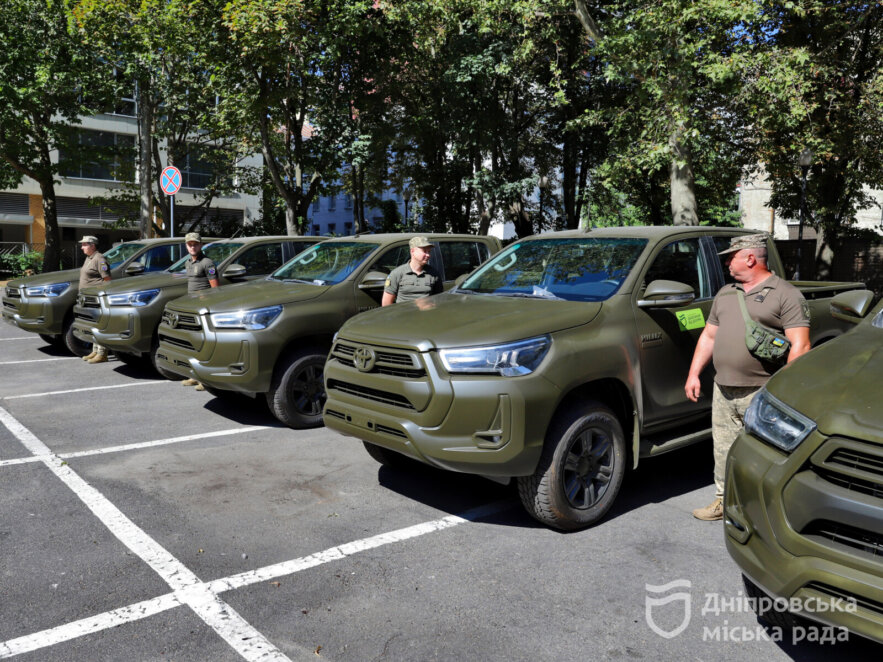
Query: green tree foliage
{"points": [[814, 79], [48, 79]]}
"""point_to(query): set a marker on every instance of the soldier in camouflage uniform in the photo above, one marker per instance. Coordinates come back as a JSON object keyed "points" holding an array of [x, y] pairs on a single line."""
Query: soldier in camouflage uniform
{"points": [[739, 375], [202, 274], [415, 279], [95, 271]]}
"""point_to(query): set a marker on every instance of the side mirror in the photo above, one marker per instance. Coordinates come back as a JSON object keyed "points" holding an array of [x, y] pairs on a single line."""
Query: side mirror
{"points": [[667, 294], [373, 280], [852, 306], [234, 271], [134, 269]]}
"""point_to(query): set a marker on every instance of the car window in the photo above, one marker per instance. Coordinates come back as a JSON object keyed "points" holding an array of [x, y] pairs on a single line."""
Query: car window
{"points": [[119, 254], [327, 263], [681, 261], [261, 259], [461, 257], [159, 258], [391, 259], [722, 244]]}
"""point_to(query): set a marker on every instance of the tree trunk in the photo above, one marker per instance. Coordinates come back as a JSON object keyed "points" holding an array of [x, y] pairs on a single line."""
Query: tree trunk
{"points": [[52, 253], [683, 184], [145, 163]]}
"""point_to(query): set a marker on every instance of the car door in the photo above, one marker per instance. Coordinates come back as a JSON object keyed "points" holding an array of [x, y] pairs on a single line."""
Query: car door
{"points": [[368, 295], [667, 336], [260, 259], [460, 256]]}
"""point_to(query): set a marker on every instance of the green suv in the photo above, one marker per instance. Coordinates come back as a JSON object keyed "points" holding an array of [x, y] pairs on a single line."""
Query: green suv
{"points": [[803, 500], [124, 315], [44, 303], [559, 362], [272, 336]]}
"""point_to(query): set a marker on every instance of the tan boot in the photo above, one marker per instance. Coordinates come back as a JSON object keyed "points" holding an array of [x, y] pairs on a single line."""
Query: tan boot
{"points": [[189, 382], [713, 511], [90, 356], [98, 358], [199, 387]]}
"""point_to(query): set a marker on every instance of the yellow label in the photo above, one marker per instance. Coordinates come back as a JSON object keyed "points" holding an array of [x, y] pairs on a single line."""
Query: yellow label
{"points": [[690, 319]]}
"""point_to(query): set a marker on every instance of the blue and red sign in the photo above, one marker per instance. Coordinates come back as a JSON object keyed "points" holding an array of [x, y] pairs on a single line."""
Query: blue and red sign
{"points": [[170, 180]]}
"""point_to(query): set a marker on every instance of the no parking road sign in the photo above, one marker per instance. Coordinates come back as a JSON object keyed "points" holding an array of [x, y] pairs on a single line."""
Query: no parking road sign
{"points": [[170, 180]]}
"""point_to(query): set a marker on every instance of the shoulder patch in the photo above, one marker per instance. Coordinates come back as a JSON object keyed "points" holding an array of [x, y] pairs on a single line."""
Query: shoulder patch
{"points": [[804, 306], [211, 271], [103, 267], [386, 284]]}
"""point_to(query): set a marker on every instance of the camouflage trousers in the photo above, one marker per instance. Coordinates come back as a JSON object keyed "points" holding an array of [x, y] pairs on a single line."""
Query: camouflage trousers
{"points": [[728, 405]]}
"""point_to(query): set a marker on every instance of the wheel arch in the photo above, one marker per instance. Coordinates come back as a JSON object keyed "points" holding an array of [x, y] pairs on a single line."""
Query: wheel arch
{"points": [[295, 344]]}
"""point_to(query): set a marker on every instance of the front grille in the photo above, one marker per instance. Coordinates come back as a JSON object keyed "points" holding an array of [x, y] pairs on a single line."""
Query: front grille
{"points": [[865, 603], [385, 429], [177, 342], [90, 301], [856, 459], [181, 320], [10, 305], [83, 316], [13, 292], [376, 395], [852, 483], [868, 542], [396, 364]]}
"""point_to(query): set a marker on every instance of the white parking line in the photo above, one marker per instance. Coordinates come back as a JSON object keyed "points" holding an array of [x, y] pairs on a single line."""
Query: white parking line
{"points": [[222, 618], [57, 358], [135, 446], [79, 390], [18, 338]]}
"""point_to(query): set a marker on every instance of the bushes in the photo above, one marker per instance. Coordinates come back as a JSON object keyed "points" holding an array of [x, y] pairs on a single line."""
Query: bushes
{"points": [[18, 264]]}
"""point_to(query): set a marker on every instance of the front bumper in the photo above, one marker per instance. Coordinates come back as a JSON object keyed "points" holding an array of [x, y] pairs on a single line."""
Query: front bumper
{"points": [[230, 360], [37, 314], [477, 424], [809, 526], [126, 329]]}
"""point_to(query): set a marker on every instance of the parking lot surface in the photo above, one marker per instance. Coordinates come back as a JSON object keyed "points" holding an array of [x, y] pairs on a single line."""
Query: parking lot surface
{"points": [[143, 520]]}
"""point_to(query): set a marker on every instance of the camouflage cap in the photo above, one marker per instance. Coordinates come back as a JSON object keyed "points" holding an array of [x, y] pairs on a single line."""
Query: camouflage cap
{"points": [[192, 236], [744, 241], [419, 242], [89, 239]]}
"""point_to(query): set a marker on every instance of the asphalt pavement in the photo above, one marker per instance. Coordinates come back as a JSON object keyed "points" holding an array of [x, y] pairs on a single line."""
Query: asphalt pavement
{"points": [[143, 520]]}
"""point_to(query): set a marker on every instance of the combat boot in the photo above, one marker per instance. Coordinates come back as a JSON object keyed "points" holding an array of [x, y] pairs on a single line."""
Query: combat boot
{"points": [[713, 511], [90, 356], [199, 387], [189, 382], [100, 357]]}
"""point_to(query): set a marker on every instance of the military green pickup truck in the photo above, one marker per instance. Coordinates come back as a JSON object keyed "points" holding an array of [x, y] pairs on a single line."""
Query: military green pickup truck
{"points": [[803, 498], [124, 315], [44, 303], [271, 336], [557, 363]]}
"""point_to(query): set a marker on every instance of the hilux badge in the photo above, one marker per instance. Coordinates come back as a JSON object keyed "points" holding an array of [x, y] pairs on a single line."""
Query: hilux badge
{"points": [[364, 358]]}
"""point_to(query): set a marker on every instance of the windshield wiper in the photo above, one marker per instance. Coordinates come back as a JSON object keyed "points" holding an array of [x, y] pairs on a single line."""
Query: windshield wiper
{"points": [[527, 295], [301, 280]]}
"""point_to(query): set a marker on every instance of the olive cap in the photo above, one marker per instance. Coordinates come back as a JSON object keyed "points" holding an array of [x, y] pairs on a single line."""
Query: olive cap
{"points": [[419, 242], [192, 236], [89, 239], [746, 241]]}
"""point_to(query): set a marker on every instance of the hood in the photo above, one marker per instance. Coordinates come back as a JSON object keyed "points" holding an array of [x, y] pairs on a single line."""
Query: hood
{"points": [[838, 385], [66, 276], [244, 296], [462, 320], [143, 282]]}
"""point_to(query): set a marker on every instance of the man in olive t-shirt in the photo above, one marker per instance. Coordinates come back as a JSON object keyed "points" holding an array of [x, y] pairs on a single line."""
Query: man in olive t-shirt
{"points": [[202, 274], [415, 279], [773, 302], [95, 271]]}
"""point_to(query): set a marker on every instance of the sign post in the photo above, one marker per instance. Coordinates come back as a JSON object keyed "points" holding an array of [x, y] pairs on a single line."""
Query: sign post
{"points": [[170, 183]]}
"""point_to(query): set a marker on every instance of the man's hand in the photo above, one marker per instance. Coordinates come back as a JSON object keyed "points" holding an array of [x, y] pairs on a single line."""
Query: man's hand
{"points": [[693, 388]]}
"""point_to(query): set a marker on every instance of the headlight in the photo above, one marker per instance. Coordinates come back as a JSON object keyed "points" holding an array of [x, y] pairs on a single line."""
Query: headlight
{"points": [[259, 318], [53, 290], [509, 360], [140, 298], [776, 423]]}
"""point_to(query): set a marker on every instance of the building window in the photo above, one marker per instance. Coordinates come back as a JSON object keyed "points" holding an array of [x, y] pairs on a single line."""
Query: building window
{"points": [[316, 230], [332, 228], [316, 204], [125, 105], [198, 167], [332, 202], [102, 155], [347, 201], [348, 228]]}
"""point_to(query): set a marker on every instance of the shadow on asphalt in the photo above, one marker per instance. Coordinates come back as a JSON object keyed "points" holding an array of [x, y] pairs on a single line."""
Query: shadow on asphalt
{"points": [[53, 350], [242, 409], [806, 650]]}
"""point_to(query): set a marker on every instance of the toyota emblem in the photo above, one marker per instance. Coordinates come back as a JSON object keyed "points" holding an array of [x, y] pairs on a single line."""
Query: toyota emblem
{"points": [[173, 320], [364, 358]]}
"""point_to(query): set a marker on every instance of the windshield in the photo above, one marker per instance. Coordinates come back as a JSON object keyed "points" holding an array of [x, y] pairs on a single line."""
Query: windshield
{"points": [[325, 264], [217, 253], [580, 269], [119, 254]]}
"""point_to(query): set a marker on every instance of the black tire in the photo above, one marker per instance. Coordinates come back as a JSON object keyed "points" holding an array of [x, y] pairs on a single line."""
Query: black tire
{"points": [[580, 470], [386, 457], [297, 393], [74, 345], [55, 341], [159, 369], [772, 615]]}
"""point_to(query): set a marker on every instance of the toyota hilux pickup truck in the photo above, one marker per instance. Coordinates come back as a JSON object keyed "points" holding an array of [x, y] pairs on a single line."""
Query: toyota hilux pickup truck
{"points": [[271, 336], [44, 303], [124, 315], [803, 495], [558, 363]]}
